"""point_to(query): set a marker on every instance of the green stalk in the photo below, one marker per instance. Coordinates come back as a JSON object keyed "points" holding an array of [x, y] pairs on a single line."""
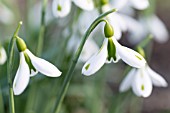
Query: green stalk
{"points": [[42, 29], [69, 74], [145, 42], [9, 68]]}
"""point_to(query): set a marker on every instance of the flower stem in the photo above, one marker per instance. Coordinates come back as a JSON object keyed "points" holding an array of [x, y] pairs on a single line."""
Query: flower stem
{"points": [[9, 68], [145, 42], [42, 29], [74, 61]]}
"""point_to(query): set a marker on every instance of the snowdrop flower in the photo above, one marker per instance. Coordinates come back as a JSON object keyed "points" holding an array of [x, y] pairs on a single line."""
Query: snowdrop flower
{"points": [[136, 30], [141, 81], [112, 51], [147, 25], [35, 12], [137, 4], [119, 22], [3, 56], [62, 8], [29, 66], [85, 19], [6, 15], [156, 27]]}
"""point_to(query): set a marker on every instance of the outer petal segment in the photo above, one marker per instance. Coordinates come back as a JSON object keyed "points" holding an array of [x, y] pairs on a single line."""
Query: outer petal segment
{"points": [[22, 76], [85, 4], [96, 61], [61, 8], [3, 56], [142, 85], [43, 66], [157, 79], [129, 56], [127, 82], [158, 29], [140, 4]]}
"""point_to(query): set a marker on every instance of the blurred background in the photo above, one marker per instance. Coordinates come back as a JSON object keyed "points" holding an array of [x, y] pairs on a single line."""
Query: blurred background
{"points": [[95, 94]]}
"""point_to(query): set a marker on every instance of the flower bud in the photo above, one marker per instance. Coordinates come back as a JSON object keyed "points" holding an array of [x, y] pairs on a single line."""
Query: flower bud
{"points": [[20, 44], [108, 30]]}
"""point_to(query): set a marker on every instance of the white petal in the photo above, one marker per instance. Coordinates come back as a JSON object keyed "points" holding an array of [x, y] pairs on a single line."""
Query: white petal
{"points": [[142, 84], [119, 4], [43, 66], [157, 79], [33, 73], [3, 56], [89, 45], [140, 4], [127, 10], [127, 81], [121, 21], [85, 19], [106, 8], [22, 76], [73, 43], [129, 56], [158, 29], [84, 4], [61, 8], [135, 29], [6, 15], [96, 61]]}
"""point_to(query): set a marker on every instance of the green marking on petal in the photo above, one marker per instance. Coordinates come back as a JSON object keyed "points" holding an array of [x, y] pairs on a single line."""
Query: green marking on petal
{"points": [[111, 50], [87, 67], [142, 87], [138, 57], [28, 60], [59, 8]]}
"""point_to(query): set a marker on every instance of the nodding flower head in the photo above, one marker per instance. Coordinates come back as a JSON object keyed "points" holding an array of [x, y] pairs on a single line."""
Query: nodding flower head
{"points": [[29, 66], [62, 8], [112, 51], [141, 81]]}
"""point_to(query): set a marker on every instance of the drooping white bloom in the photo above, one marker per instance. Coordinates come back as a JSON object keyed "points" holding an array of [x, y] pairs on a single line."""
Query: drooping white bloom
{"points": [[156, 27], [122, 23], [136, 30], [144, 26], [85, 19], [35, 12], [141, 81], [6, 15], [62, 8], [110, 51], [29, 66], [137, 4], [3, 56]]}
